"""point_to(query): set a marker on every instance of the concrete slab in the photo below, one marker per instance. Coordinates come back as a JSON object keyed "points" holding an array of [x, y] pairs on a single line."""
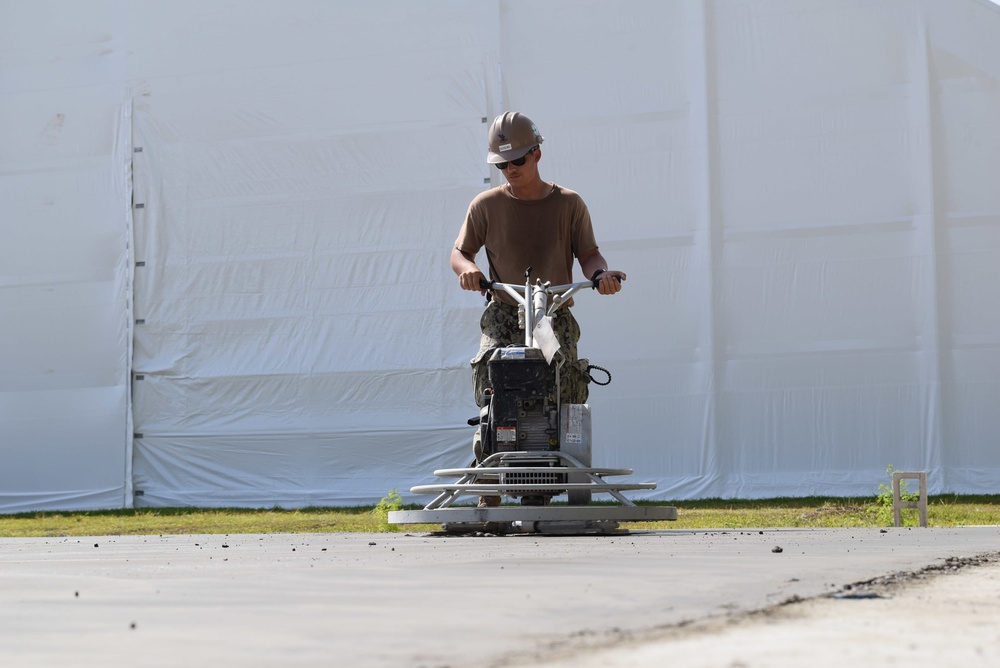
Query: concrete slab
{"points": [[417, 600], [951, 619]]}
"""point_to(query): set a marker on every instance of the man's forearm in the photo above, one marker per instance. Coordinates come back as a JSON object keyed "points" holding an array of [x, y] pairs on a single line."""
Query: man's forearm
{"points": [[592, 263], [469, 275], [462, 262]]}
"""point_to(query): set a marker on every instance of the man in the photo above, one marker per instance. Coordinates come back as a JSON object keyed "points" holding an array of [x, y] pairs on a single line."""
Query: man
{"points": [[527, 222]]}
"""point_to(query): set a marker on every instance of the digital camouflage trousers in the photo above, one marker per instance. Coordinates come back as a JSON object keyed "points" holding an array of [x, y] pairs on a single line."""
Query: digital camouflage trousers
{"points": [[500, 329]]}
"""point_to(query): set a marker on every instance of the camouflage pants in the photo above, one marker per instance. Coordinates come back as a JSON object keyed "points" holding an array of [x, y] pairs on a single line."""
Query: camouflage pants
{"points": [[499, 327]]}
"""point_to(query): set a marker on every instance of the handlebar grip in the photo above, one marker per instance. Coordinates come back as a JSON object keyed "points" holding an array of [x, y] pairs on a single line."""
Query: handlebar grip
{"points": [[485, 285], [595, 281]]}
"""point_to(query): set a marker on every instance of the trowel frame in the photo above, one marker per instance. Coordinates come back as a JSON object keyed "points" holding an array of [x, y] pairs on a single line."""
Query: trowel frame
{"points": [[487, 478]]}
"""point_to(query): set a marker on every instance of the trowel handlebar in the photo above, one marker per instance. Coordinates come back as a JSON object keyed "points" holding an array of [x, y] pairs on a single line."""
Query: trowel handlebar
{"points": [[557, 294], [493, 285]]}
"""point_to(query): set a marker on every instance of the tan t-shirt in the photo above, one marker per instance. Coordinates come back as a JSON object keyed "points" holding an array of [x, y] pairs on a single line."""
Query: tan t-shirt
{"points": [[544, 234]]}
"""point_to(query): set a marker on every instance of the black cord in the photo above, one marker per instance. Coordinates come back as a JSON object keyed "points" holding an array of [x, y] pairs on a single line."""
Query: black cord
{"points": [[599, 368]]}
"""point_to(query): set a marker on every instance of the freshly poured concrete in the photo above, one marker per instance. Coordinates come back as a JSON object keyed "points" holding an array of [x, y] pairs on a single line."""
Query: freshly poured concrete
{"points": [[419, 600]]}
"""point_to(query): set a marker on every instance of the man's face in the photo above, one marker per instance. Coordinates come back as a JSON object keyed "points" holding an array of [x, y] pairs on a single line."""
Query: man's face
{"points": [[517, 175]]}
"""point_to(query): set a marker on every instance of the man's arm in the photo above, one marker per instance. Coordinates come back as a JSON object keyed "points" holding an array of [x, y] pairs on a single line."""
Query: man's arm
{"points": [[611, 279], [464, 266]]}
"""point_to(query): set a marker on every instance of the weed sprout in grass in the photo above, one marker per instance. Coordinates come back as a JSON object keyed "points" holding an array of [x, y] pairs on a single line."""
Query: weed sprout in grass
{"points": [[391, 501]]}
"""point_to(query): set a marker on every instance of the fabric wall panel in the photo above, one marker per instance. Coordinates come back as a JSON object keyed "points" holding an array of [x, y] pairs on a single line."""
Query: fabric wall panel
{"points": [[65, 263], [809, 274], [300, 210]]}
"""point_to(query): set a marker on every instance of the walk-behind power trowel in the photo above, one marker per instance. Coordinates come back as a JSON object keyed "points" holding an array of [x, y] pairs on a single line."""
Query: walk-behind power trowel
{"points": [[531, 447]]}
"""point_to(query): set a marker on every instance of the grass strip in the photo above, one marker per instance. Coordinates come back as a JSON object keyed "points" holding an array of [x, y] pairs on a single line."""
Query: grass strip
{"points": [[815, 512]]}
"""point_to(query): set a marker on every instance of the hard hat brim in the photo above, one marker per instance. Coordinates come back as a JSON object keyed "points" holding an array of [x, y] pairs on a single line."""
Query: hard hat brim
{"points": [[507, 156], [493, 157]]}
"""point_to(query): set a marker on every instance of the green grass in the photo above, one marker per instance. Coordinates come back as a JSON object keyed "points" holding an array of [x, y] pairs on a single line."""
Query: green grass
{"points": [[150, 521], [816, 512], [821, 512]]}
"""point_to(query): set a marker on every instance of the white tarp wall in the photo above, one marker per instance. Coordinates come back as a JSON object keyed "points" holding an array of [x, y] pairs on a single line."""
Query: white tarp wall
{"points": [[802, 193], [65, 338]]}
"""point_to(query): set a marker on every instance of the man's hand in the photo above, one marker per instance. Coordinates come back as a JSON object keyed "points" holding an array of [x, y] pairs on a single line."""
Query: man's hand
{"points": [[610, 282], [470, 280], [464, 266]]}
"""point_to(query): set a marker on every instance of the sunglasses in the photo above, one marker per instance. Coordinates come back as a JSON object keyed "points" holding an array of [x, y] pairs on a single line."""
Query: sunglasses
{"points": [[519, 162]]}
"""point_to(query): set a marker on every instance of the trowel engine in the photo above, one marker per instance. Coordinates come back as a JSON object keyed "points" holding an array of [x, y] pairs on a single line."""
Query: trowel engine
{"points": [[521, 413]]}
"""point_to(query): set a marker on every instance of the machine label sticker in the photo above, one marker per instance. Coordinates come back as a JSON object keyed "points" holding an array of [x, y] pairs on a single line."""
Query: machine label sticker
{"points": [[512, 353], [507, 434], [574, 424]]}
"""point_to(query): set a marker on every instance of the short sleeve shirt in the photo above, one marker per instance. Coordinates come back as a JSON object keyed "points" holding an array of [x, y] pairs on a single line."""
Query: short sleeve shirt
{"points": [[545, 234]]}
